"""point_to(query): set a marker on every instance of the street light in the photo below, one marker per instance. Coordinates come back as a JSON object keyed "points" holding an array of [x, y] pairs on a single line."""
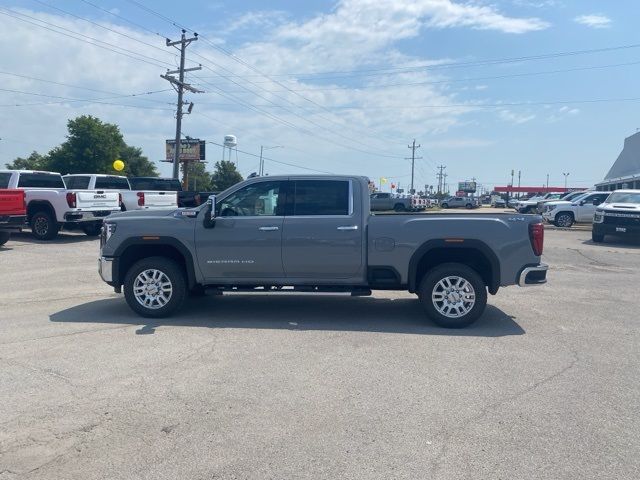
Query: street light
{"points": [[261, 166], [566, 174]]}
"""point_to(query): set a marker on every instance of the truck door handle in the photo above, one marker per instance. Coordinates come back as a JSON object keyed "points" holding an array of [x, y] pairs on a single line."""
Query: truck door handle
{"points": [[348, 227], [268, 229]]}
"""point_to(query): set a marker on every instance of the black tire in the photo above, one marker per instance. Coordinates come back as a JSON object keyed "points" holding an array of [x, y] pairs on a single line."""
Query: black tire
{"points": [[563, 220], [398, 207], [468, 206], [176, 276], [92, 229], [431, 280], [4, 237], [597, 237], [445, 205], [44, 226]]}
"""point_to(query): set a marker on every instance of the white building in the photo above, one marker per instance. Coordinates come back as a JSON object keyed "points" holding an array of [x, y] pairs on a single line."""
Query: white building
{"points": [[625, 172]]}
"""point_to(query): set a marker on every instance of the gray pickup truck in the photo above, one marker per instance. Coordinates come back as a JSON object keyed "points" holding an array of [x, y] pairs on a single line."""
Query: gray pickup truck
{"points": [[316, 234]]}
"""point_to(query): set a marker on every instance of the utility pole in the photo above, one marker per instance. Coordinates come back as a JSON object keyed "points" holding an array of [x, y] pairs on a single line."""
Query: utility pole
{"points": [[444, 183], [179, 85], [566, 174], [413, 147], [440, 177], [547, 180], [519, 173], [261, 165]]}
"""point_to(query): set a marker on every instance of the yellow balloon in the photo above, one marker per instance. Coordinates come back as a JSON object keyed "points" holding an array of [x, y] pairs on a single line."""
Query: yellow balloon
{"points": [[118, 165]]}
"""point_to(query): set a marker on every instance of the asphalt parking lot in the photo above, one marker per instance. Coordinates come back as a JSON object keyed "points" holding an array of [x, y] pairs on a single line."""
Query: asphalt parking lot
{"points": [[544, 386]]}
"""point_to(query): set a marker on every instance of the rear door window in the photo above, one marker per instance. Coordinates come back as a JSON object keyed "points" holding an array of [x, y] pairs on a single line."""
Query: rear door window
{"points": [[77, 182], [4, 179], [40, 180], [158, 184], [321, 197]]}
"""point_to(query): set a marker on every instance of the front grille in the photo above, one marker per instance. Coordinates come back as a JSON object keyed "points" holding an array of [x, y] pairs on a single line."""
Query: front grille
{"points": [[622, 219]]}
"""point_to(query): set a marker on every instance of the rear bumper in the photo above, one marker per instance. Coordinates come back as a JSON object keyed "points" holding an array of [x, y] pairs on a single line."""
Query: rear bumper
{"points": [[88, 216], [613, 229], [12, 222], [533, 275]]}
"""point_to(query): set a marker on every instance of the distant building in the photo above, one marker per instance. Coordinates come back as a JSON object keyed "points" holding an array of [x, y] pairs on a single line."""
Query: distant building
{"points": [[625, 172]]}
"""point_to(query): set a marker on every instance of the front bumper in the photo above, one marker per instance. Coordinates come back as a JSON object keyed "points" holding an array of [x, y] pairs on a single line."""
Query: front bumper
{"points": [[105, 269], [613, 229], [549, 217], [88, 216], [12, 222], [533, 275]]}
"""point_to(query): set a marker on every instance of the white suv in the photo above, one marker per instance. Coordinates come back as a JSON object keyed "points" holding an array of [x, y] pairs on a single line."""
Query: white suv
{"points": [[580, 210]]}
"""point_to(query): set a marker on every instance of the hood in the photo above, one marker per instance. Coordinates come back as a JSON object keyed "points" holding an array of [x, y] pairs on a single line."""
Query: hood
{"points": [[557, 202], [628, 207]]}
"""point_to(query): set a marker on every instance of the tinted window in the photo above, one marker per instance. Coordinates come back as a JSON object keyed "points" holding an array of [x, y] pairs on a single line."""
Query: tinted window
{"points": [[159, 184], [259, 199], [112, 183], [77, 183], [321, 197], [40, 180], [4, 179]]}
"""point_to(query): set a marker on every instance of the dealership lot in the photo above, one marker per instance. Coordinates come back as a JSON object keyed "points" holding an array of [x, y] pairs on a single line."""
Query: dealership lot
{"points": [[545, 385]]}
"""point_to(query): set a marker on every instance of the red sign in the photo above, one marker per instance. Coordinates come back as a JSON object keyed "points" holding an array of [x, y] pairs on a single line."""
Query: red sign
{"points": [[459, 193]]}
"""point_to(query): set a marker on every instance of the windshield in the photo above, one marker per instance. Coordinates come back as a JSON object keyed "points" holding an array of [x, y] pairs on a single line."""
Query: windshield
{"points": [[624, 197]]}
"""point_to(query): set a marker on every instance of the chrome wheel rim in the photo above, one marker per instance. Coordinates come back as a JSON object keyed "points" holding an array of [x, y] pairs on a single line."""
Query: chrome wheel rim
{"points": [[152, 288], [453, 297], [564, 220], [41, 226]]}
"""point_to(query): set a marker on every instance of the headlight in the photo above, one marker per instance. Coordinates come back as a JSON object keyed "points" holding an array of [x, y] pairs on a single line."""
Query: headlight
{"points": [[598, 217], [108, 229]]}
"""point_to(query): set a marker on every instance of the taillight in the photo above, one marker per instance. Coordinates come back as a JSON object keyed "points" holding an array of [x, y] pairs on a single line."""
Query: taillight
{"points": [[536, 235], [71, 200], [24, 200], [120, 199], [141, 199]]}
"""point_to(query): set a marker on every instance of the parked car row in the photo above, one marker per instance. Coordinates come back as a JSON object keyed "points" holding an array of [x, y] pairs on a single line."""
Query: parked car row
{"points": [[48, 201], [381, 201]]}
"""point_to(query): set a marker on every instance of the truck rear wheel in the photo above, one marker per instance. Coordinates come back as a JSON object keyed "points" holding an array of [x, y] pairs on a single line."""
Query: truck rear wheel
{"points": [[155, 287], [453, 295], [44, 226], [4, 237], [92, 229], [398, 207]]}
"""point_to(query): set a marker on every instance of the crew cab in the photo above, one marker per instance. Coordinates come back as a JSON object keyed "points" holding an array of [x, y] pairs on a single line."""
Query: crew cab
{"points": [[142, 199], [316, 234], [618, 215], [579, 210], [51, 206], [13, 209]]}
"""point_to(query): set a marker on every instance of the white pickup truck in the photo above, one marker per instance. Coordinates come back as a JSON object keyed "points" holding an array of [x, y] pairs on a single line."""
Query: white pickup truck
{"points": [[50, 205], [131, 199]]}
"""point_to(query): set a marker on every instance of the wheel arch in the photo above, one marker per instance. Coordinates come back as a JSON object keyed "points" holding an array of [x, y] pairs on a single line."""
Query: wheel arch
{"points": [[36, 206], [134, 249], [473, 253]]}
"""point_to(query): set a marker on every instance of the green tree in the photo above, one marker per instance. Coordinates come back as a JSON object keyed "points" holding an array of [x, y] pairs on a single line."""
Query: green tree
{"points": [[225, 175], [91, 147], [35, 161], [135, 164], [198, 177]]}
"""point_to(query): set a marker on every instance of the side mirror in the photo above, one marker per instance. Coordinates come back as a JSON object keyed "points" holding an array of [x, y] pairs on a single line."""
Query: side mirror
{"points": [[597, 201], [210, 213]]}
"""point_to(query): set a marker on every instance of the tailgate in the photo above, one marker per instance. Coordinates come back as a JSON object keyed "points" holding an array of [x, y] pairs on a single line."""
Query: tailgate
{"points": [[160, 199], [12, 202], [97, 199]]}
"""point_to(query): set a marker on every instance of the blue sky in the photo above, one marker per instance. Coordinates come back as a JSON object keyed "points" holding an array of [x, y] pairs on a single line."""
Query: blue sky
{"points": [[344, 86]]}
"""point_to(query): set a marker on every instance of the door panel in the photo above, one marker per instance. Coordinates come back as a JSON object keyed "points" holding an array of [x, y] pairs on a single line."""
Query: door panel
{"points": [[315, 245], [246, 240]]}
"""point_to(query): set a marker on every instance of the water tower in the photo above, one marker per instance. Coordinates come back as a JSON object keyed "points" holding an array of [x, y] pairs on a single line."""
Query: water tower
{"points": [[230, 144]]}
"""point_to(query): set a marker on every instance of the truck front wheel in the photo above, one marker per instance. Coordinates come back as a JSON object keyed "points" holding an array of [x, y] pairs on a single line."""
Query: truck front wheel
{"points": [[155, 287], [4, 237], [92, 229], [453, 295], [398, 207]]}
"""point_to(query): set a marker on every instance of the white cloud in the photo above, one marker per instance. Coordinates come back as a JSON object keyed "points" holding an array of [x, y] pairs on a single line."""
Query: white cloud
{"points": [[594, 21], [515, 118]]}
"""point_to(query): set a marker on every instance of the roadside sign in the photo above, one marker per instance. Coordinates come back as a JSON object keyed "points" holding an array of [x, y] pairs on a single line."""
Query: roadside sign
{"points": [[191, 149]]}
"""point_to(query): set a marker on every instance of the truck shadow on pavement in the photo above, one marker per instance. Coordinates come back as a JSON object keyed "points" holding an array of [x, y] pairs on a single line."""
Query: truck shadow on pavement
{"points": [[630, 242], [293, 312], [63, 237]]}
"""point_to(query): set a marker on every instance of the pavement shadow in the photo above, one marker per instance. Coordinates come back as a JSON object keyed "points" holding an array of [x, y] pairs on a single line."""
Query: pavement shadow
{"points": [[630, 242], [293, 312], [62, 238]]}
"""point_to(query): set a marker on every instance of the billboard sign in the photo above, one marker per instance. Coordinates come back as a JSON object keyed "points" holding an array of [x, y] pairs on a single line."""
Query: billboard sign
{"points": [[191, 149], [467, 187]]}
